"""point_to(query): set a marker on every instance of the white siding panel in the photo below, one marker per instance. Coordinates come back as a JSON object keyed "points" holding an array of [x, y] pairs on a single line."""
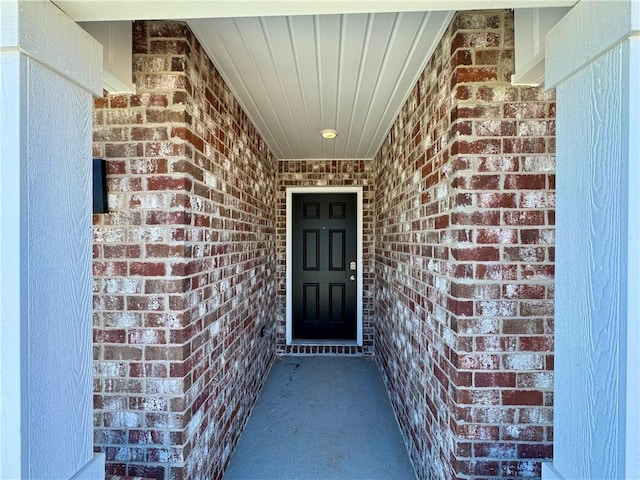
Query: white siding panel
{"points": [[49, 71], [58, 241], [596, 395]]}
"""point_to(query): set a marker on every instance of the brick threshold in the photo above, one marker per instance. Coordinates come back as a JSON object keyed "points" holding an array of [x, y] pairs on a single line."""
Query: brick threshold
{"points": [[323, 348]]}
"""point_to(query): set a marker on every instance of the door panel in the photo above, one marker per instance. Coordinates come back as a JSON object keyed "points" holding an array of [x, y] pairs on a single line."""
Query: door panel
{"points": [[324, 249], [311, 302], [336, 250], [336, 302], [311, 249]]}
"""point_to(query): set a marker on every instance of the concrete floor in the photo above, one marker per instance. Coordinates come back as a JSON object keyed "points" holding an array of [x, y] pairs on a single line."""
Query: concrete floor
{"points": [[321, 418]]}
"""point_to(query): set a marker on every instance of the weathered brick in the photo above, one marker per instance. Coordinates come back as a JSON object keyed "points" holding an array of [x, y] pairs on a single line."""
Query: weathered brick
{"points": [[149, 133], [467, 74], [524, 145], [537, 380], [523, 291], [109, 336], [168, 183], [147, 436], [168, 218], [112, 352], [218, 237], [504, 380], [147, 269], [523, 361], [478, 254], [496, 235], [475, 40], [149, 100], [488, 193], [478, 432], [495, 450], [479, 147], [148, 336], [521, 397], [524, 217], [535, 451], [148, 369], [499, 163]]}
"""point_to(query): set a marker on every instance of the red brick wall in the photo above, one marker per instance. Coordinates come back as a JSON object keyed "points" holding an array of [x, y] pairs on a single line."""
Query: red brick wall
{"points": [[320, 173], [464, 260], [184, 265]]}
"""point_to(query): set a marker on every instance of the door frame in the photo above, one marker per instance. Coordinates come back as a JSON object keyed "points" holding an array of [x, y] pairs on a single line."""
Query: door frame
{"points": [[289, 328]]}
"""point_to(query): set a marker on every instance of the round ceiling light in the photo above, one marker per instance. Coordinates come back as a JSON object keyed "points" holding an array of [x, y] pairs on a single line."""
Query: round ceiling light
{"points": [[329, 133]]}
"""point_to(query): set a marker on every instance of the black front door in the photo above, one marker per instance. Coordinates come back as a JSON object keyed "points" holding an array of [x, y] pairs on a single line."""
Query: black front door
{"points": [[324, 276]]}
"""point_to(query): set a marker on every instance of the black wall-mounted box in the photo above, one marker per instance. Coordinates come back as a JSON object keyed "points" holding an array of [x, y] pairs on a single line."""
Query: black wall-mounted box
{"points": [[100, 203]]}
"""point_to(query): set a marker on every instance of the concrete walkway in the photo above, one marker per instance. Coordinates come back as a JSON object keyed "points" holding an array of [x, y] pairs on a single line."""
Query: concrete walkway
{"points": [[321, 418]]}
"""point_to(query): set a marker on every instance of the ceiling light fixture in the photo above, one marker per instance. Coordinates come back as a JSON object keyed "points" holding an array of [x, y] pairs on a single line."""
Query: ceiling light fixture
{"points": [[329, 133]]}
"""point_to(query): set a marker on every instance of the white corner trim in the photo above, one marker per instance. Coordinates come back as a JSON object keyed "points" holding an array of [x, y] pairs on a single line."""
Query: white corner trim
{"points": [[550, 473], [531, 27], [359, 225], [116, 40], [632, 460], [44, 33], [93, 470], [586, 32], [530, 73]]}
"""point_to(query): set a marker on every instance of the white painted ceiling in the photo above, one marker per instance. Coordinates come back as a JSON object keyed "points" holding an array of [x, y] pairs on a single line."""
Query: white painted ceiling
{"points": [[297, 75], [298, 66]]}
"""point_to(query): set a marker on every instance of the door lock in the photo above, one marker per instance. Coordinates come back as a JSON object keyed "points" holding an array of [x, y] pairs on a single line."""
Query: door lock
{"points": [[352, 266]]}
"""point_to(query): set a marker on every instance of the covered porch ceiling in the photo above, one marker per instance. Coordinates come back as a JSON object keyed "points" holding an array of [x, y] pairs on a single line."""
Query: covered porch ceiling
{"points": [[300, 66]]}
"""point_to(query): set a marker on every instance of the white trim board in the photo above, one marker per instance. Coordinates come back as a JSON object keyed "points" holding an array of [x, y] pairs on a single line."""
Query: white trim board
{"points": [[329, 189]]}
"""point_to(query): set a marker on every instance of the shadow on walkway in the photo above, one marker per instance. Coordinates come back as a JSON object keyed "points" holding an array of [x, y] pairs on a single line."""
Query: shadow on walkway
{"points": [[321, 418]]}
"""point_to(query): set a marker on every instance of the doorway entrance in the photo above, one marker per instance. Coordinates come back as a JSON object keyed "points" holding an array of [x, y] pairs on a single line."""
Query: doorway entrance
{"points": [[324, 258]]}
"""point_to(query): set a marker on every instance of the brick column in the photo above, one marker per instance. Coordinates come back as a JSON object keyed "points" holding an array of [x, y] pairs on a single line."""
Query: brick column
{"points": [[184, 264], [465, 233]]}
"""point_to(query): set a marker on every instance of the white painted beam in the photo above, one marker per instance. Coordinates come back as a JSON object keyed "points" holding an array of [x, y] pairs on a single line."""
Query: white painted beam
{"points": [[62, 47], [116, 41], [100, 10], [588, 41], [531, 28]]}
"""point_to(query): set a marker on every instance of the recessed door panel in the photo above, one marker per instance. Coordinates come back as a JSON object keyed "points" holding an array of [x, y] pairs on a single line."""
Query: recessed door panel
{"points": [[311, 249], [311, 302], [323, 258], [310, 210], [337, 210], [336, 302], [337, 260]]}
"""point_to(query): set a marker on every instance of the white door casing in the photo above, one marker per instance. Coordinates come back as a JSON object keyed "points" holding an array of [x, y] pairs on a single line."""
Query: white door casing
{"points": [[329, 189]]}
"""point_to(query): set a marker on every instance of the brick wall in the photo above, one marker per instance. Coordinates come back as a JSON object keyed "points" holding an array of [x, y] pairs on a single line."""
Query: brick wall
{"points": [[322, 173], [184, 265], [464, 260]]}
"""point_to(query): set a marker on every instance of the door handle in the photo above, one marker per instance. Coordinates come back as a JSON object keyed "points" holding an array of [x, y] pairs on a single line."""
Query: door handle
{"points": [[352, 278]]}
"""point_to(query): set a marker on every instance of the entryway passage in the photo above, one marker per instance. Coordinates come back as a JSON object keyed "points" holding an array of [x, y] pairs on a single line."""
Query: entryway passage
{"points": [[321, 418]]}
